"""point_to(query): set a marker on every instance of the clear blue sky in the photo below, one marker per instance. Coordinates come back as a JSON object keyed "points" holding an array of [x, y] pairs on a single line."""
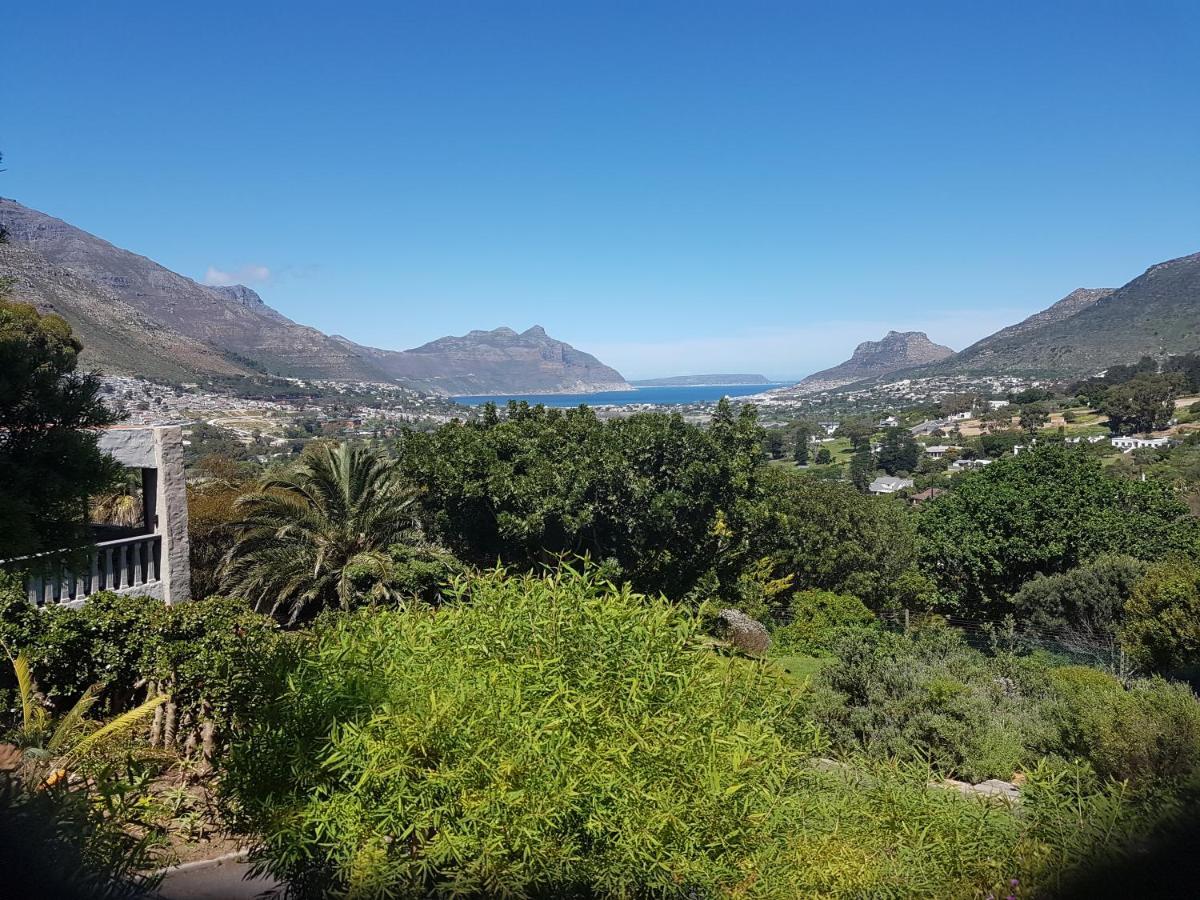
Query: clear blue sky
{"points": [[677, 187]]}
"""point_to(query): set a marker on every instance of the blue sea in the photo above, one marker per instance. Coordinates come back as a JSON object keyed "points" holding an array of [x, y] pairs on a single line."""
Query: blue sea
{"points": [[662, 396]]}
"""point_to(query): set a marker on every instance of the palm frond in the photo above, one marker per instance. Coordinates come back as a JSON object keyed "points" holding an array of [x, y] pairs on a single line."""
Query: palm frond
{"points": [[116, 729], [73, 719]]}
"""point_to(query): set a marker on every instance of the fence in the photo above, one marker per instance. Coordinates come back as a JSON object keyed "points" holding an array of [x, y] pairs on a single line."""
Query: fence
{"points": [[130, 562]]}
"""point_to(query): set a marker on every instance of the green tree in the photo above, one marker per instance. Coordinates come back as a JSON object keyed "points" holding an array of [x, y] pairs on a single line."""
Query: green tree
{"points": [[318, 534], [773, 443], [1046, 511], [828, 536], [1033, 418], [857, 431], [862, 468], [665, 503], [1162, 628], [898, 451], [824, 457], [1085, 604], [801, 436], [1144, 403], [49, 462]]}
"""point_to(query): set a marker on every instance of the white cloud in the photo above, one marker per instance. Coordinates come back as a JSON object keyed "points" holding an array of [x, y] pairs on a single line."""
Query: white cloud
{"points": [[788, 352], [251, 273]]}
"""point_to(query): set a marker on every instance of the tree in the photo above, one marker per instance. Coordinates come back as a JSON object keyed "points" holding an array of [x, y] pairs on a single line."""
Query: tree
{"points": [[1085, 605], [1144, 403], [1033, 417], [862, 468], [801, 435], [1162, 628], [663, 502], [857, 431], [773, 442], [318, 535], [49, 461], [824, 457], [998, 419], [899, 451], [1046, 511]]}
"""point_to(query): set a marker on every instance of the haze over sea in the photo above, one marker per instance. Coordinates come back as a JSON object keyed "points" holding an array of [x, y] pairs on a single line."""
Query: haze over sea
{"points": [[662, 396]]}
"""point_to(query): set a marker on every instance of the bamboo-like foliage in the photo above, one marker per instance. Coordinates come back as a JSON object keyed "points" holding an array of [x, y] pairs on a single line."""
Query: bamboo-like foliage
{"points": [[562, 737], [312, 537]]}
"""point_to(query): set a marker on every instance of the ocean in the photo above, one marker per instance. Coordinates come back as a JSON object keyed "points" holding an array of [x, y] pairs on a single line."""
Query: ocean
{"points": [[661, 396]]}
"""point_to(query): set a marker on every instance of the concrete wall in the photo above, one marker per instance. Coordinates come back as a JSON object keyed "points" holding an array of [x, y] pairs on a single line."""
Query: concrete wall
{"points": [[160, 447]]}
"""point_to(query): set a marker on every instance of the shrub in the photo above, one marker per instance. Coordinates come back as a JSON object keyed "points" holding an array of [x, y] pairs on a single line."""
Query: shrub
{"points": [[818, 618], [207, 654], [931, 697], [1162, 628], [1147, 732], [553, 735]]}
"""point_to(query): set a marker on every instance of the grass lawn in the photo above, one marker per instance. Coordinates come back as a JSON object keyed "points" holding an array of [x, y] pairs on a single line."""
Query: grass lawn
{"points": [[799, 668]]}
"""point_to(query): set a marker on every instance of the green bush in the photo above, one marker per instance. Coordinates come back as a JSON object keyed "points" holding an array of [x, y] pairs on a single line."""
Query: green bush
{"points": [[1148, 732], [553, 735], [818, 618], [931, 697], [207, 654], [1162, 617]]}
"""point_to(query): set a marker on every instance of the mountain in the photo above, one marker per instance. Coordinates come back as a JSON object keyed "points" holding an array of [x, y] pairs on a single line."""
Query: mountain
{"points": [[137, 317], [1156, 314], [498, 362], [117, 337], [871, 359], [696, 380]]}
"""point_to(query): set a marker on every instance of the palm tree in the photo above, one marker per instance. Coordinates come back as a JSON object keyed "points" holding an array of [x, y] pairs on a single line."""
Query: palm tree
{"points": [[308, 538]]}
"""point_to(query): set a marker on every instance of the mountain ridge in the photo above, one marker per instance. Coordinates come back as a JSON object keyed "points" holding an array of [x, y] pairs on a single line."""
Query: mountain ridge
{"points": [[121, 301], [897, 350]]}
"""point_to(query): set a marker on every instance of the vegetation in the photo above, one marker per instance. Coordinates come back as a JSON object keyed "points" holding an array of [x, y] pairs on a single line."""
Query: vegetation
{"points": [[318, 534], [46, 408]]}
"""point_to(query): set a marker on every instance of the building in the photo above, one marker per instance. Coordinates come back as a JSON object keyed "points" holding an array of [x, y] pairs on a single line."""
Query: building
{"points": [[923, 496], [889, 484], [937, 451], [997, 404], [148, 559], [1129, 444], [830, 427], [966, 465]]}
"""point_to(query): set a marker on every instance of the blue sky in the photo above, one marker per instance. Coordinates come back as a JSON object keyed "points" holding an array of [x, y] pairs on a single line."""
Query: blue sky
{"points": [[677, 187]]}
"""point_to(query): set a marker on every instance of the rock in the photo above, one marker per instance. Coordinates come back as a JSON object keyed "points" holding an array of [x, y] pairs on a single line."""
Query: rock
{"points": [[743, 632]]}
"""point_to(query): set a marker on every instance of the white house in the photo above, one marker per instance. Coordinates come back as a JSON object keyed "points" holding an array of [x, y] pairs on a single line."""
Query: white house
{"points": [[937, 451], [965, 465], [997, 404], [889, 484], [1129, 444]]}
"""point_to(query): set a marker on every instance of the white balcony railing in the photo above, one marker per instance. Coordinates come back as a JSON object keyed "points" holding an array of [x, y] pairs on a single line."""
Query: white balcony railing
{"points": [[119, 565]]}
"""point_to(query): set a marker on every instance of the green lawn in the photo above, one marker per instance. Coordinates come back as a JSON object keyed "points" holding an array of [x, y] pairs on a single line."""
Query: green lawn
{"points": [[799, 668]]}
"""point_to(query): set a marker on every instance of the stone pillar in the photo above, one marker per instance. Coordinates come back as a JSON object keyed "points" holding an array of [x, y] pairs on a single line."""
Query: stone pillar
{"points": [[171, 504]]}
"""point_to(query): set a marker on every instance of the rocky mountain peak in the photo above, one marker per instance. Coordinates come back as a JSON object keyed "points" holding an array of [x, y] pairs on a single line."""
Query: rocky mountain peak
{"points": [[895, 351]]}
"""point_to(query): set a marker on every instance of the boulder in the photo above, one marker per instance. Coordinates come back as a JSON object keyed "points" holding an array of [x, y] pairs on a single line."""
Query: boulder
{"points": [[743, 632]]}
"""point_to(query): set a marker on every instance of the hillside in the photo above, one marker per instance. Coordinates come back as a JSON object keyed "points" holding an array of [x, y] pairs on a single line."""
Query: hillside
{"points": [[1155, 314], [872, 359], [697, 380], [239, 328], [116, 337], [498, 362], [136, 317]]}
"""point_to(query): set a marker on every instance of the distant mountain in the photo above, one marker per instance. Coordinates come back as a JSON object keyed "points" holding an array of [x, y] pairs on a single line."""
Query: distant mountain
{"points": [[136, 317], [871, 359], [117, 337], [498, 362], [686, 380], [1156, 314]]}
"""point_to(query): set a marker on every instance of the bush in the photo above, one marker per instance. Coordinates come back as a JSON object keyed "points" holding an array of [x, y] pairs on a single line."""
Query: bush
{"points": [[207, 654], [1162, 628], [931, 697], [1086, 603], [552, 735], [1145, 733], [818, 618]]}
